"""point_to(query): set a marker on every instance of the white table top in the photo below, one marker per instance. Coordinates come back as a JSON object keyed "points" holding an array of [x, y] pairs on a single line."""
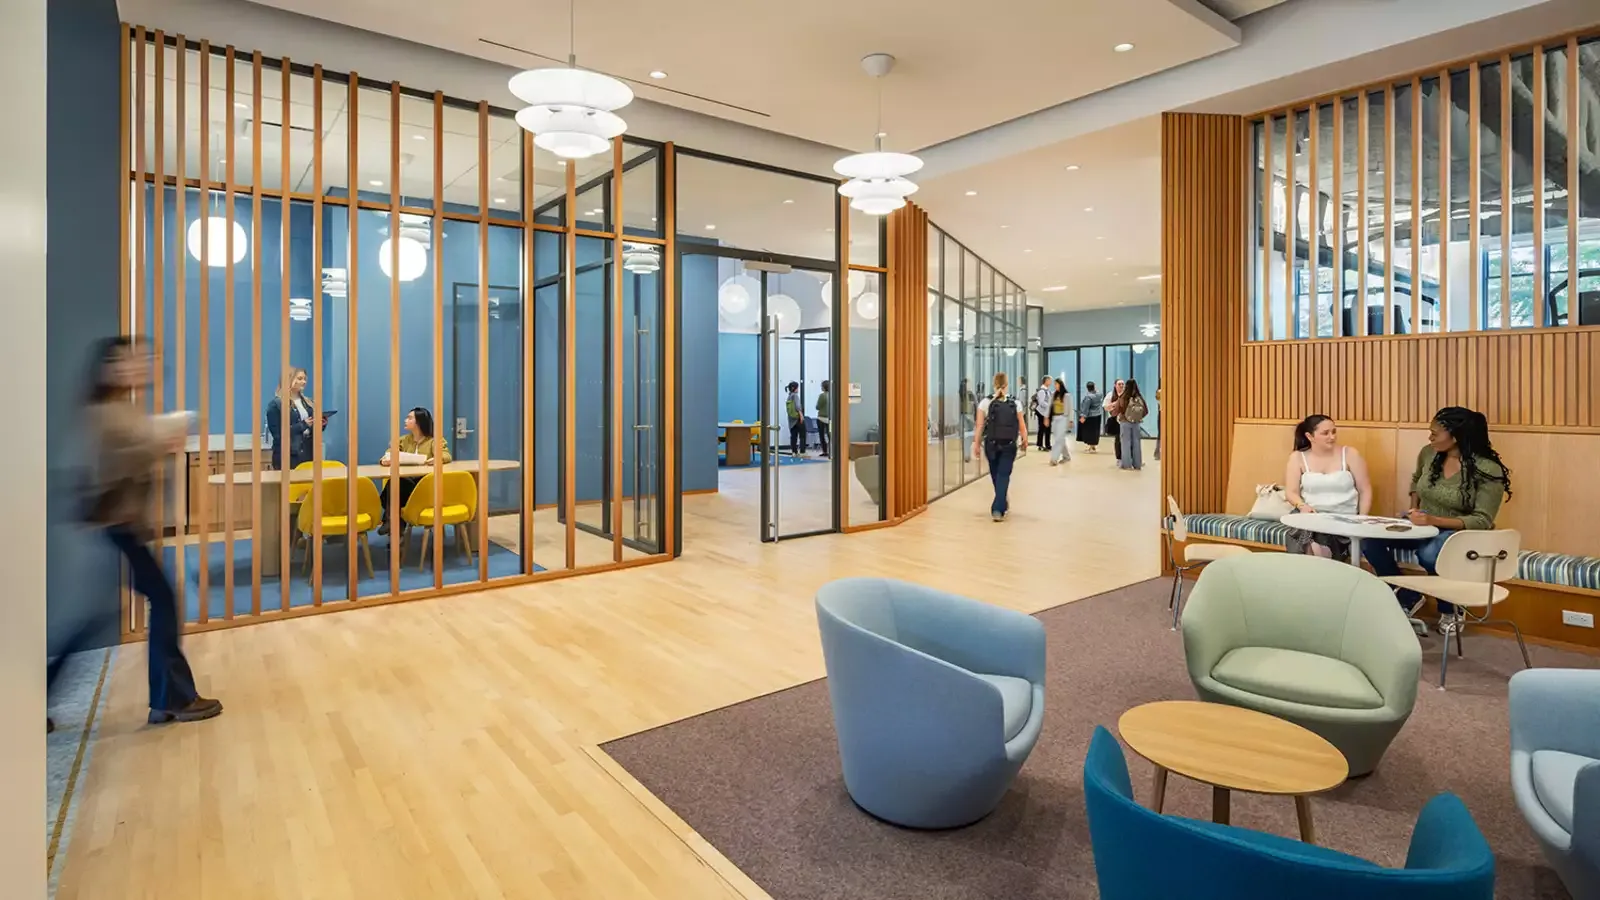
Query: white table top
{"points": [[738, 424], [1364, 527]]}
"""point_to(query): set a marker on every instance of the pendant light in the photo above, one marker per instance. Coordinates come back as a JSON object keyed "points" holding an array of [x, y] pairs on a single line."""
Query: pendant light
{"points": [[571, 111], [211, 230], [640, 259], [877, 184]]}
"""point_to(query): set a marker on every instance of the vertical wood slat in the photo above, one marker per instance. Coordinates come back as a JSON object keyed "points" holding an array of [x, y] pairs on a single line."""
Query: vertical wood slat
{"points": [[1292, 315], [1575, 141], [1265, 276], [180, 325], [1389, 323], [205, 333], [228, 325], [1445, 211], [158, 292], [256, 179], [352, 276], [1313, 221], [528, 343], [437, 224], [841, 313], [617, 319], [569, 379], [1336, 239], [1417, 190], [1507, 207], [1363, 255], [483, 342], [669, 343], [398, 539], [1474, 189], [1538, 187], [134, 300], [316, 338], [285, 463]]}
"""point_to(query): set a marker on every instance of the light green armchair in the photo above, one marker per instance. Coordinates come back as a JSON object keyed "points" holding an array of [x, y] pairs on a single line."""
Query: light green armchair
{"points": [[1306, 639]]}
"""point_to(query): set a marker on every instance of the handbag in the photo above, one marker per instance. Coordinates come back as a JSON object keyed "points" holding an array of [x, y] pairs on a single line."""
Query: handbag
{"points": [[1271, 503]]}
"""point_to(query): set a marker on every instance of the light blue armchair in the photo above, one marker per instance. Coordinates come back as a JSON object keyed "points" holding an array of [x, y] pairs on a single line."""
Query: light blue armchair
{"points": [[937, 699], [1555, 769]]}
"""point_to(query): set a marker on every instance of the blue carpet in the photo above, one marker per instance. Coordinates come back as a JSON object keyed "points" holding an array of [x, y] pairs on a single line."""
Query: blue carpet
{"points": [[783, 460], [335, 570]]}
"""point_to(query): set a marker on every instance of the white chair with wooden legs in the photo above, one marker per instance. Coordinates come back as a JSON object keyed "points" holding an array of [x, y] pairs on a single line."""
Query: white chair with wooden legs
{"points": [[1471, 566], [1194, 555]]}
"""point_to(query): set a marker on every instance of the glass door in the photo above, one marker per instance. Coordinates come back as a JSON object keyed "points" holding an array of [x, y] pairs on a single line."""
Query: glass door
{"points": [[799, 493]]}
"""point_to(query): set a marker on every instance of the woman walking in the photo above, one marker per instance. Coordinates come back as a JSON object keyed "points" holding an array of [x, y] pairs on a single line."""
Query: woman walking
{"points": [[1114, 409], [130, 447], [1001, 421], [1060, 414], [1091, 409], [1131, 410]]}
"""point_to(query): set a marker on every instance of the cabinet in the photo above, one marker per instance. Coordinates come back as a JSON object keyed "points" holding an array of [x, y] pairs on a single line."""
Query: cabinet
{"points": [[194, 490]]}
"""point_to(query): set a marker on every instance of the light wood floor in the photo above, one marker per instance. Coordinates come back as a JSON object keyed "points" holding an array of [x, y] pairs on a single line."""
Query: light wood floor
{"points": [[447, 748]]}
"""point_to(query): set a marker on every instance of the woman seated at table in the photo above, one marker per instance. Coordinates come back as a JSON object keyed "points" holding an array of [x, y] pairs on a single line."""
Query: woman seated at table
{"points": [[418, 439], [1323, 477], [1459, 484]]}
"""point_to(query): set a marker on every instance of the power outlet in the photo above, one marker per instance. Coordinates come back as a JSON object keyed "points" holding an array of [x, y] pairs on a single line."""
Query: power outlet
{"points": [[1580, 619]]}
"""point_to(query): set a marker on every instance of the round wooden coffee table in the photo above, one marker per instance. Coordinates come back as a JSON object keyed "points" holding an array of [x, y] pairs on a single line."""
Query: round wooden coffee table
{"points": [[1233, 749]]}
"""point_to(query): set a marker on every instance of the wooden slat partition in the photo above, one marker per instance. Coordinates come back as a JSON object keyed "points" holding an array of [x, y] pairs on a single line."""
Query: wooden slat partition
{"points": [[1406, 379], [1205, 168], [906, 368]]}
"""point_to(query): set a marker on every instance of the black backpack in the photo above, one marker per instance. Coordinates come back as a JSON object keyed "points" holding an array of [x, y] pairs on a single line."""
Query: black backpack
{"points": [[1000, 422]]}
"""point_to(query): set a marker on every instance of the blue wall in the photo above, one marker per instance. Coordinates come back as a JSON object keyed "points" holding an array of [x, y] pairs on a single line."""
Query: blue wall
{"points": [[739, 377], [698, 372], [83, 182]]}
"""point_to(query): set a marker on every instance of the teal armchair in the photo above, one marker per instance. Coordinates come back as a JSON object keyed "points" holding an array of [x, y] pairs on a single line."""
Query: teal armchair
{"points": [[1319, 643], [1555, 769]]}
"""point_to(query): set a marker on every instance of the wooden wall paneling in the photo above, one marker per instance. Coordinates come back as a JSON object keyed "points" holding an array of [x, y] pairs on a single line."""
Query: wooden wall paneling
{"points": [[484, 424], [1574, 106], [669, 368], [158, 257], [1539, 76], [529, 342], [1417, 190], [1474, 189], [204, 380], [569, 372], [1291, 314], [352, 344], [133, 300], [1204, 170], [180, 324], [841, 387], [1336, 239], [1446, 110], [228, 325], [1388, 209], [1507, 152], [256, 464], [618, 274], [437, 223], [1313, 221], [397, 540], [316, 337], [1363, 137]]}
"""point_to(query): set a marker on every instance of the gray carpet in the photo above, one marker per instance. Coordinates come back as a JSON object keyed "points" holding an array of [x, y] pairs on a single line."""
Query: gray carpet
{"points": [[760, 780]]}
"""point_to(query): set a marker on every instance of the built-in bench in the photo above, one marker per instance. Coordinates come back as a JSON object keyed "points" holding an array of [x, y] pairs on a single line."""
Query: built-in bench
{"points": [[1559, 569]]}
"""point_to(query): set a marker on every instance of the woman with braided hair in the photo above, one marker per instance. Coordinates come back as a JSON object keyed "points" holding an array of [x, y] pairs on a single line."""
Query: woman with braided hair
{"points": [[1459, 484]]}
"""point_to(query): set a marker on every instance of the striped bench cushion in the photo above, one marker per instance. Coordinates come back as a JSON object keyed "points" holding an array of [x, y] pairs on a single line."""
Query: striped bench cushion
{"points": [[1535, 566]]}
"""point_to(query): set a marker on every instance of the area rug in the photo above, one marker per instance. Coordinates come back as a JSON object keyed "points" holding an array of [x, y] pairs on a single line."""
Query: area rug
{"points": [[760, 780]]}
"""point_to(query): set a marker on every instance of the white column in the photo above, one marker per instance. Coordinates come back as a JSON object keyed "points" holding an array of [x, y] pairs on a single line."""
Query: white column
{"points": [[22, 477]]}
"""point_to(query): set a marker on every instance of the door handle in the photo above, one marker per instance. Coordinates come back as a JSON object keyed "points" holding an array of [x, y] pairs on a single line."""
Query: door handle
{"points": [[461, 427]]}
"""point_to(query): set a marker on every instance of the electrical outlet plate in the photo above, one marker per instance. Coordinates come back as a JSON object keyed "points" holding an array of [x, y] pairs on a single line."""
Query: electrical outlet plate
{"points": [[1580, 619]]}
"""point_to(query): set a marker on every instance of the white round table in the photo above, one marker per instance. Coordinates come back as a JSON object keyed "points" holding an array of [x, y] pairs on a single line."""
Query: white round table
{"points": [[1357, 527]]}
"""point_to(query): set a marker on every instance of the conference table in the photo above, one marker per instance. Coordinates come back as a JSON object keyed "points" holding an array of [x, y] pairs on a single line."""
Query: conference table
{"points": [[740, 438], [269, 542]]}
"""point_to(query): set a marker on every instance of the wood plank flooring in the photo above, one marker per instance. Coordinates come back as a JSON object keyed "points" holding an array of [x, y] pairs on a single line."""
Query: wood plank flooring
{"points": [[448, 748]]}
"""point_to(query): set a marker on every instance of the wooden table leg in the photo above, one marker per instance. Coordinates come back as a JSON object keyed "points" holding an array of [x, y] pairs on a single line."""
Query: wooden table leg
{"points": [[1302, 809], [1159, 798], [1219, 805]]}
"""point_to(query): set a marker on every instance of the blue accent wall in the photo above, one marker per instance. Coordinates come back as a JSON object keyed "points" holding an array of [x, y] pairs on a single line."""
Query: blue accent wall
{"points": [[738, 377], [83, 182], [698, 372]]}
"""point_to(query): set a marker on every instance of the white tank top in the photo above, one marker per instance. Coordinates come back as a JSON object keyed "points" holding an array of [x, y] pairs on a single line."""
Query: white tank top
{"points": [[1329, 492]]}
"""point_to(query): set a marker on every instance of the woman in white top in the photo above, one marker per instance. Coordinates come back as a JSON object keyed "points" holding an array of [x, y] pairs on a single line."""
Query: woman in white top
{"points": [[1323, 477]]}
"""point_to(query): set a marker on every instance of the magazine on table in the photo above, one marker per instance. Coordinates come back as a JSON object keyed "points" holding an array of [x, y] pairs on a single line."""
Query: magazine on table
{"points": [[1370, 520]]}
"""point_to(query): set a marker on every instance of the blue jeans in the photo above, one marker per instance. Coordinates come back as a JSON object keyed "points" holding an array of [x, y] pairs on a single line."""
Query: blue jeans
{"points": [[1001, 458], [1132, 446], [1381, 556], [171, 681]]}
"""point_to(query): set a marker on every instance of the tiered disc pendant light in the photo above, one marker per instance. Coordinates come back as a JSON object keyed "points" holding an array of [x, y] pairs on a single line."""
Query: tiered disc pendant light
{"points": [[572, 111], [878, 184]]}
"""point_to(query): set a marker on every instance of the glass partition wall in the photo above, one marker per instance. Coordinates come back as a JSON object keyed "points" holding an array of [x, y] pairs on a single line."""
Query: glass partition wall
{"points": [[1103, 364], [1460, 199], [422, 354], [976, 328]]}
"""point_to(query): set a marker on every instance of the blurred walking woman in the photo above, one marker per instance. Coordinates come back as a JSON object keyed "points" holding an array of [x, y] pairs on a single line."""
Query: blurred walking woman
{"points": [[129, 448], [1090, 410]]}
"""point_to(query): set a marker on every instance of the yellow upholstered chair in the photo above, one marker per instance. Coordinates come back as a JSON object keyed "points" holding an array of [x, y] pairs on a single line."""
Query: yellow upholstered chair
{"points": [[298, 491], [458, 506], [336, 519]]}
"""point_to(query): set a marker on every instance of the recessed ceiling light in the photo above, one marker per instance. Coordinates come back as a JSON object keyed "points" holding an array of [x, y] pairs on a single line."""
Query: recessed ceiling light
{"points": [[1155, 277], [419, 137], [1005, 226], [711, 228], [1088, 209], [787, 202], [972, 193], [500, 200], [882, 134], [1054, 287], [1108, 259], [658, 74], [1099, 237], [375, 183], [1123, 48], [239, 104], [1027, 251], [1072, 168]]}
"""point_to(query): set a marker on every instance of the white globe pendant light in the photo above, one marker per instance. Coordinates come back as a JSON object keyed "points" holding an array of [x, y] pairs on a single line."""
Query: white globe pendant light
{"points": [[878, 184], [867, 306], [213, 231], [571, 112], [413, 258]]}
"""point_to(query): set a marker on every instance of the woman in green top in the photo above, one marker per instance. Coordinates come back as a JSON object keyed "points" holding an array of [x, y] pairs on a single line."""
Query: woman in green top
{"points": [[824, 418], [1459, 484]]}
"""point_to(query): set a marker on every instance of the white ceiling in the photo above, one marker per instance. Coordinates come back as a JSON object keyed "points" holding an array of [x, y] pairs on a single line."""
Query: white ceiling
{"points": [[797, 69]]}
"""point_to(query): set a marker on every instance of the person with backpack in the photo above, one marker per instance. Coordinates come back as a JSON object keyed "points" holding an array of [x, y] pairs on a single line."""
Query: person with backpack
{"points": [[1001, 421], [1041, 410], [797, 419]]}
